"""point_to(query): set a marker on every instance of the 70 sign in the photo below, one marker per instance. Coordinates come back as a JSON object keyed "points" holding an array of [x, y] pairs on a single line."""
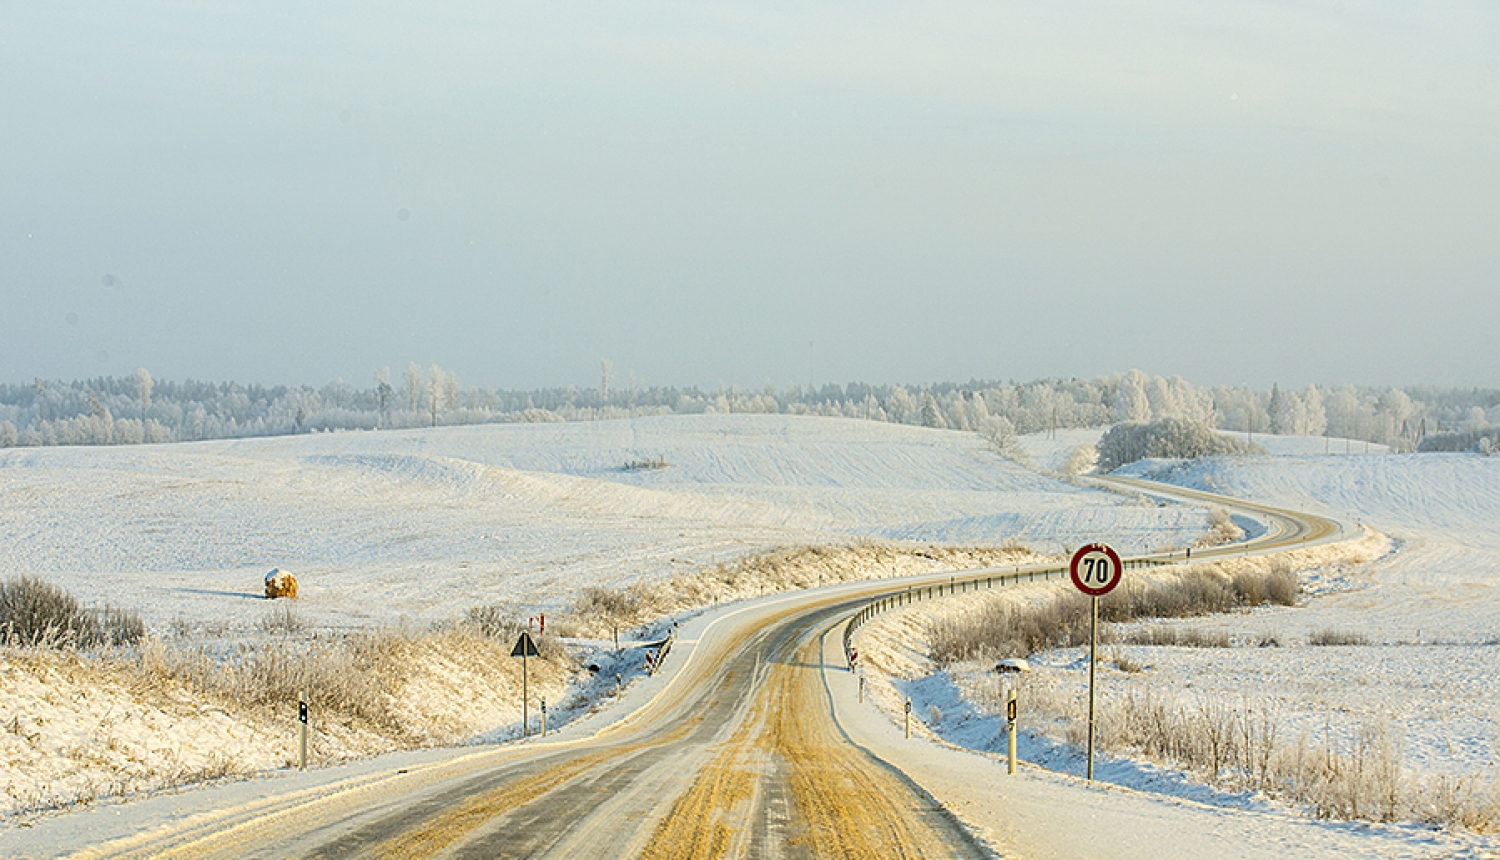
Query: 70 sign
{"points": [[1095, 570]]}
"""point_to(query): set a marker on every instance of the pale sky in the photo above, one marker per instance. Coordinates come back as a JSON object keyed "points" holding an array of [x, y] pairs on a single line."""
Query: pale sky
{"points": [[706, 192]]}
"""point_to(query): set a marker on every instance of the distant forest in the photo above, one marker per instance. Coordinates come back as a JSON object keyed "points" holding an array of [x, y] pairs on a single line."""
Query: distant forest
{"points": [[138, 408]]}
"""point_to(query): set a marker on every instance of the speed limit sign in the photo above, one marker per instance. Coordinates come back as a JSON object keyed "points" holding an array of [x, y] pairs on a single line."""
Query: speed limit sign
{"points": [[1096, 569]]}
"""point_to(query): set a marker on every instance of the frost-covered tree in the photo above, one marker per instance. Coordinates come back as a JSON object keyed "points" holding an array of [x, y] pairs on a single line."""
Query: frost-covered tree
{"points": [[932, 416], [1280, 409], [384, 392], [1394, 411], [1131, 402], [1165, 438], [1315, 420], [1001, 436], [412, 383], [143, 386]]}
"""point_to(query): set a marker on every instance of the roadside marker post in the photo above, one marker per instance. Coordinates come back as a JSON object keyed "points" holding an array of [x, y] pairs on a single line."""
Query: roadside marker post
{"points": [[302, 730], [908, 719], [1010, 731], [1095, 571], [524, 648], [544, 718]]}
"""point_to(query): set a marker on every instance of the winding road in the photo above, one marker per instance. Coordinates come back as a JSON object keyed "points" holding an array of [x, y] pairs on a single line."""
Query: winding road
{"points": [[735, 750]]}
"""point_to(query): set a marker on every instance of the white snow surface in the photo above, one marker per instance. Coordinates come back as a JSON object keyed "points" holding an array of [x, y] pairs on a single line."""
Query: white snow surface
{"points": [[421, 524]]}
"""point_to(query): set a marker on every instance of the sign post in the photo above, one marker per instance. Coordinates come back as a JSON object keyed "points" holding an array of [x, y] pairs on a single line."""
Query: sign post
{"points": [[524, 648], [1095, 571]]}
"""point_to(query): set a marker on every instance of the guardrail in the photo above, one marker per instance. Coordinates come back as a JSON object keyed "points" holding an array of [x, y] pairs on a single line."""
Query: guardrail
{"points": [[975, 581], [654, 661]]}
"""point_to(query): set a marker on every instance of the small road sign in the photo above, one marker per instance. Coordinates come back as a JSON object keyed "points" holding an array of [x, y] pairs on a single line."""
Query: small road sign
{"points": [[524, 647], [1096, 569]]}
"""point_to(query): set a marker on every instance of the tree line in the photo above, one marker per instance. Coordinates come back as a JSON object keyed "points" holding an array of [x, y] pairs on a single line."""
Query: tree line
{"points": [[141, 409]]}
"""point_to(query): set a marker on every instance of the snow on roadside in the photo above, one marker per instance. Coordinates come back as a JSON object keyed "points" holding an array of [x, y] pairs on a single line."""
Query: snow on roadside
{"points": [[962, 704]]}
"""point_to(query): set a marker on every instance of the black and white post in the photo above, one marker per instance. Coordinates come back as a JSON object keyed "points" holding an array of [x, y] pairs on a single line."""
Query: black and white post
{"points": [[1095, 571], [302, 730], [1010, 732]]}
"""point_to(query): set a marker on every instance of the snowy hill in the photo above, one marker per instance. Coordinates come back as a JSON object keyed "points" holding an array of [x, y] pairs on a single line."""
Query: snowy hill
{"points": [[422, 524]]}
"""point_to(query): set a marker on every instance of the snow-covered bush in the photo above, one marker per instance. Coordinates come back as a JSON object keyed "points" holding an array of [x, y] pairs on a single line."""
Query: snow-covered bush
{"points": [[36, 612], [1479, 441], [1167, 438], [1001, 436]]}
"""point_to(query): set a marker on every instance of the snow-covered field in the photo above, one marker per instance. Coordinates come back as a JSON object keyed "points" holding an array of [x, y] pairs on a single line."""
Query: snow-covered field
{"points": [[398, 529], [1427, 615], [1430, 612], [417, 526], [422, 524]]}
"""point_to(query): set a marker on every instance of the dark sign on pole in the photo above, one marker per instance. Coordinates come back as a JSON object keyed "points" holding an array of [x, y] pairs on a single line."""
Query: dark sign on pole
{"points": [[525, 647]]}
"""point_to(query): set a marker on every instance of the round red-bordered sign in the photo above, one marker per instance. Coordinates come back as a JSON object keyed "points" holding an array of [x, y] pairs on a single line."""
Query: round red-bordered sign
{"points": [[1096, 569]]}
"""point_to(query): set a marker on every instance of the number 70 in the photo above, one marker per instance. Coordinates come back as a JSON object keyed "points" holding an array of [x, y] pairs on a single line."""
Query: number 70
{"points": [[1097, 569]]}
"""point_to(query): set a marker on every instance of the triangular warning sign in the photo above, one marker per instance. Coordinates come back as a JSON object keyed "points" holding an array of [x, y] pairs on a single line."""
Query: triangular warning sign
{"points": [[524, 647]]}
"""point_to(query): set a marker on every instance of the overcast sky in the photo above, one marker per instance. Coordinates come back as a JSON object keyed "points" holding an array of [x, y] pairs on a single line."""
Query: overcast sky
{"points": [[751, 192]]}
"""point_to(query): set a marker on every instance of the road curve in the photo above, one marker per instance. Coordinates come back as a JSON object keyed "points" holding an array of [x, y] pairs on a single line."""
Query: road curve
{"points": [[737, 754]]}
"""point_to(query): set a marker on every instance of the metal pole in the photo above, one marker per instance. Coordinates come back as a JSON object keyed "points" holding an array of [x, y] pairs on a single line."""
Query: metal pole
{"points": [[1093, 659], [526, 717]]}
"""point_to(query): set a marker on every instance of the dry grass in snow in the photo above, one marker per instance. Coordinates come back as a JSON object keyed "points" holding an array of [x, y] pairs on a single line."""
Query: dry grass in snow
{"points": [[599, 610], [1228, 743], [79, 727]]}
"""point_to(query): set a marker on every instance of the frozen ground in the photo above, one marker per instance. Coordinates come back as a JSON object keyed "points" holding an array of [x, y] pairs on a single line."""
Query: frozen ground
{"points": [[1428, 614], [417, 526], [422, 524]]}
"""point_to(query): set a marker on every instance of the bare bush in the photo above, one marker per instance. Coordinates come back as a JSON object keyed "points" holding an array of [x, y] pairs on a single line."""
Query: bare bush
{"points": [[610, 607], [282, 621], [497, 621], [1329, 636], [1166, 438], [1180, 637], [339, 676], [34, 612], [1221, 529], [1282, 586], [1124, 662], [1002, 629]]}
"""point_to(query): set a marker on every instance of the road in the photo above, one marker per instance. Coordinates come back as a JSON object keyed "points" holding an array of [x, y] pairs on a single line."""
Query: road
{"points": [[737, 752]]}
